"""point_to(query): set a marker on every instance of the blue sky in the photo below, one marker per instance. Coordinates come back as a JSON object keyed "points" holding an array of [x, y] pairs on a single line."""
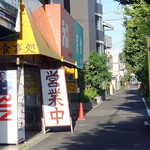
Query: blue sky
{"points": [[110, 15]]}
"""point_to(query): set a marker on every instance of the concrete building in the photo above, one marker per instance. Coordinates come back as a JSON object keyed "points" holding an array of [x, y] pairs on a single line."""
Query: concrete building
{"points": [[117, 67], [89, 15]]}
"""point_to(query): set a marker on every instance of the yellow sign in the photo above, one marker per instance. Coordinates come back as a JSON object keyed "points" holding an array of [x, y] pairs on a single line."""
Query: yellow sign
{"points": [[148, 43], [17, 47], [72, 87], [148, 48], [8, 48]]}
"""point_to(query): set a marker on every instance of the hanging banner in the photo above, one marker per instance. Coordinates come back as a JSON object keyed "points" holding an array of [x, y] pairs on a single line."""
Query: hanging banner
{"points": [[78, 44], [8, 107], [55, 100]]}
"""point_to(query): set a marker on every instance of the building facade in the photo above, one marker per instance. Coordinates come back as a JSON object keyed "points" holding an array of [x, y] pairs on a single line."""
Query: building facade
{"points": [[47, 46], [89, 15]]}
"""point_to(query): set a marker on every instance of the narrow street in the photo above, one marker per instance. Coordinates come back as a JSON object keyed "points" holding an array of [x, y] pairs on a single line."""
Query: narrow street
{"points": [[119, 123]]}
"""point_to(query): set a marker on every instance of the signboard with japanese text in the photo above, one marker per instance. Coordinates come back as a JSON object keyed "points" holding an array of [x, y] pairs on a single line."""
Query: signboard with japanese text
{"points": [[18, 47], [8, 107], [63, 29], [72, 87], [78, 44], [55, 99], [8, 48]]}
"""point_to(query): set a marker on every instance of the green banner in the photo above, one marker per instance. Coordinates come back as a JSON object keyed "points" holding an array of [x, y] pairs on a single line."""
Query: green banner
{"points": [[78, 44]]}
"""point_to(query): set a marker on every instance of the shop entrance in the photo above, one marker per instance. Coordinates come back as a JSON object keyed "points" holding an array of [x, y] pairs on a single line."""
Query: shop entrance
{"points": [[33, 104]]}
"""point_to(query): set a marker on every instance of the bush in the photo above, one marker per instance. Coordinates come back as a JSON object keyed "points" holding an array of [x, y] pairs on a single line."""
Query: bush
{"points": [[90, 93], [148, 101]]}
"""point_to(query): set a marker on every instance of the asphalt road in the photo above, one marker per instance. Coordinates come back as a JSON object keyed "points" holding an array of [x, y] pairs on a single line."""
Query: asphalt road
{"points": [[119, 123]]}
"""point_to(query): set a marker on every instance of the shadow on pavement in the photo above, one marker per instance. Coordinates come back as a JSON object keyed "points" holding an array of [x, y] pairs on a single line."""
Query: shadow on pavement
{"points": [[117, 124]]}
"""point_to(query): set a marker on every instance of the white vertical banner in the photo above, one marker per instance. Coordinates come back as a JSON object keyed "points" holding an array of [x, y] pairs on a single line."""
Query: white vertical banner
{"points": [[8, 107], [21, 104], [55, 99]]}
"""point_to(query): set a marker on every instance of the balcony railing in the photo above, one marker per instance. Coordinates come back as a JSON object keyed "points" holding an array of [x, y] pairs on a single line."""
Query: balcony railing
{"points": [[98, 8], [99, 35], [108, 41], [8, 15]]}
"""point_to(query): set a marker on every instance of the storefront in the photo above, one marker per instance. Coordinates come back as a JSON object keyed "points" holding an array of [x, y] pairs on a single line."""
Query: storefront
{"points": [[45, 42]]}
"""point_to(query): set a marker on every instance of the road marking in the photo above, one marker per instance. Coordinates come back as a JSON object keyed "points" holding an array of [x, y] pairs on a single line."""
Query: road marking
{"points": [[109, 126], [147, 109], [146, 123]]}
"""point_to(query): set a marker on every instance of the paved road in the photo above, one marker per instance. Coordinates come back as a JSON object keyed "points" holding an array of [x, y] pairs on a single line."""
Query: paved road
{"points": [[116, 124]]}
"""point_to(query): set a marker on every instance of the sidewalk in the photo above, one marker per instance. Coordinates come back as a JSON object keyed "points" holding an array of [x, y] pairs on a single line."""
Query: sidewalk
{"points": [[116, 124]]}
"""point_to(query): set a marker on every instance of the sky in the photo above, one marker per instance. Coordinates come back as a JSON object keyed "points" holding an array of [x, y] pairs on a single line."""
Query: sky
{"points": [[111, 16]]}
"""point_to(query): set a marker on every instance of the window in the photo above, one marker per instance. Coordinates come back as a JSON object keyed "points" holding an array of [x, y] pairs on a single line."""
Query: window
{"points": [[100, 48], [98, 23]]}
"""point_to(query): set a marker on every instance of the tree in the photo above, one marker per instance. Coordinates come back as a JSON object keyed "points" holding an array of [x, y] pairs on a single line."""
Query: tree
{"points": [[94, 77], [136, 22], [127, 2], [96, 72]]}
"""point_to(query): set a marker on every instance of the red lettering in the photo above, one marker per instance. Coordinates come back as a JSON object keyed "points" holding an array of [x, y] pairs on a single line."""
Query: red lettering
{"points": [[5, 105], [56, 115], [6, 114], [6, 97]]}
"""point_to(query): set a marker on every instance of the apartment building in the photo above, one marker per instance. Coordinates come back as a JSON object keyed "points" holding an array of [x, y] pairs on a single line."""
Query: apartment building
{"points": [[89, 14]]}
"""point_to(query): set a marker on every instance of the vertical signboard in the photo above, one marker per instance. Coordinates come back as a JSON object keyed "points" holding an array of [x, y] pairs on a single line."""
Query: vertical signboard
{"points": [[148, 49], [61, 23], [20, 104], [78, 44], [8, 107], [67, 28], [55, 100], [11, 110]]}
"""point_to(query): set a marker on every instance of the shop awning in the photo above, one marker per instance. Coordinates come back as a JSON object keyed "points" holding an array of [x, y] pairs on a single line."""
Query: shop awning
{"points": [[36, 36]]}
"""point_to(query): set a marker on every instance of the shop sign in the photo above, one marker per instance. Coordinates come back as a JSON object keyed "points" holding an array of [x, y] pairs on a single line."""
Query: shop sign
{"points": [[61, 23], [72, 87], [9, 125], [78, 44], [55, 100], [17, 47]]}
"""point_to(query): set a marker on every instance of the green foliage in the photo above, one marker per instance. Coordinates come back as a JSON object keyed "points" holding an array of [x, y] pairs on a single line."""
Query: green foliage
{"points": [[95, 77], [139, 17], [96, 71], [148, 101], [90, 93], [137, 24], [126, 2]]}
